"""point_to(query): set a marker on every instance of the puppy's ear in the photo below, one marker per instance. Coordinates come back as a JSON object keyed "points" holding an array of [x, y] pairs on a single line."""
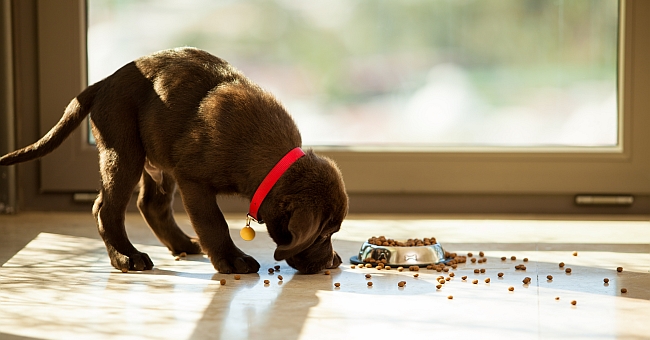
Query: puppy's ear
{"points": [[304, 227]]}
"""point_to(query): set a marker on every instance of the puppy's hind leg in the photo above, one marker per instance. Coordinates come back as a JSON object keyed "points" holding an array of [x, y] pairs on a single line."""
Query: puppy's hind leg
{"points": [[120, 163], [155, 204]]}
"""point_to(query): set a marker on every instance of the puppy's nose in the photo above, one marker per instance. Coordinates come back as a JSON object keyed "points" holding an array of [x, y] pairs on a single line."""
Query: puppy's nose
{"points": [[336, 261]]}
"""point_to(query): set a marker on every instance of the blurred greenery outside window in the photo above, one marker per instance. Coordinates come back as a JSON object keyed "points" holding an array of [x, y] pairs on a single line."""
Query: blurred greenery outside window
{"points": [[412, 73]]}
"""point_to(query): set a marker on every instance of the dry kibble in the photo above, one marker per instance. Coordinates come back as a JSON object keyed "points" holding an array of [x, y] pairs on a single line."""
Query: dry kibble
{"points": [[445, 269], [368, 265], [575, 253], [557, 298], [481, 254], [271, 270], [619, 269], [476, 271], [368, 276], [574, 302], [452, 274], [399, 269], [513, 257], [327, 272], [416, 275], [511, 288], [442, 281], [482, 270], [473, 260], [369, 283], [337, 285], [266, 282], [438, 286], [277, 267], [568, 270], [561, 264], [387, 267], [183, 254], [237, 277], [503, 258], [125, 270], [223, 282], [623, 290], [177, 258], [475, 282], [450, 297], [606, 280], [401, 284], [525, 259], [487, 280], [352, 266], [500, 274], [470, 254], [464, 277], [280, 277], [448, 279], [549, 277], [526, 280]]}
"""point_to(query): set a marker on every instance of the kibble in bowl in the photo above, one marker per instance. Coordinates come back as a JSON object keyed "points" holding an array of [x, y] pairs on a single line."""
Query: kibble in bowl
{"points": [[407, 253]]}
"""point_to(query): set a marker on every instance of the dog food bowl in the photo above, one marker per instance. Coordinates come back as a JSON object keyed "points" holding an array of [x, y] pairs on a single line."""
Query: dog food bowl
{"points": [[401, 256]]}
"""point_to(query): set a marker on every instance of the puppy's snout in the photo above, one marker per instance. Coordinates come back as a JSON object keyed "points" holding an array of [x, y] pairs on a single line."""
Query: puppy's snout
{"points": [[335, 262]]}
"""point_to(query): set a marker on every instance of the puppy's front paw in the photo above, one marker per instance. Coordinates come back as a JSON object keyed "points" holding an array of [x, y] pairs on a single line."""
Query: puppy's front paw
{"points": [[135, 261], [239, 264]]}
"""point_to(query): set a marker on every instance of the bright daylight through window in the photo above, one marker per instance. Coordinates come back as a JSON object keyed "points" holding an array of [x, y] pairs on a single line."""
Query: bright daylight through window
{"points": [[415, 73]]}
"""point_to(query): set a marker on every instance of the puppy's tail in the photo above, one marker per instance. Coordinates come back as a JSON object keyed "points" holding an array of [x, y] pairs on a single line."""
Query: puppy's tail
{"points": [[74, 114]]}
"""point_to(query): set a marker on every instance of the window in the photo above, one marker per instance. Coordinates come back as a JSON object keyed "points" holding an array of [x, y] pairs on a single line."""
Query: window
{"points": [[413, 74]]}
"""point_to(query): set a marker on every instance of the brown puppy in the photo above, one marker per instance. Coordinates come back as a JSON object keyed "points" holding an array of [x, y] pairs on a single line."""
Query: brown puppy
{"points": [[186, 117]]}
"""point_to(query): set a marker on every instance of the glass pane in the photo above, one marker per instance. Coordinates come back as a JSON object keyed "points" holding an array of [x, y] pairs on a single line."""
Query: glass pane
{"points": [[398, 73]]}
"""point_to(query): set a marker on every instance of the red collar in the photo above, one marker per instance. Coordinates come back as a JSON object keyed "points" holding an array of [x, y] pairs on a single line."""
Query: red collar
{"points": [[271, 178]]}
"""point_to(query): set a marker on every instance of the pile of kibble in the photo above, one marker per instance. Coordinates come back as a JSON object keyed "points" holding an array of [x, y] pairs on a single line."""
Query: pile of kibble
{"points": [[389, 242]]}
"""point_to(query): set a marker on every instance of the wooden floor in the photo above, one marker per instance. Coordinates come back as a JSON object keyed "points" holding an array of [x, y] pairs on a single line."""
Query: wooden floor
{"points": [[56, 283]]}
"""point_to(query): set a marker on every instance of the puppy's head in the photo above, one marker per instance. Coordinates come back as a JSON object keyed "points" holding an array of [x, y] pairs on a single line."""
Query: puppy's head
{"points": [[304, 210]]}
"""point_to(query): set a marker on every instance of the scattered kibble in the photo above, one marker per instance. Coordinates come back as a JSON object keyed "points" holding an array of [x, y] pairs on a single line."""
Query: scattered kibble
{"points": [[476, 271], [511, 288], [619, 269], [568, 270], [470, 254], [266, 282], [513, 257], [353, 267], [606, 280], [368, 276], [402, 284], [177, 258], [416, 275], [574, 302], [525, 259], [271, 270], [557, 298], [280, 277], [327, 272], [237, 277], [369, 283], [526, 280], [473, 260], [464, 277], [438, 286], [481, 254], [368, 265], [549, 277], [623, 290], [475, 282], [387, 267], [500, 274], [487, 280], [482, 270], [399, 269], [337, 285], [450, 297], [575, 253], [503, 258], [561, 264], [277, 267], [452, 274], [223, 282], [183, 254]]}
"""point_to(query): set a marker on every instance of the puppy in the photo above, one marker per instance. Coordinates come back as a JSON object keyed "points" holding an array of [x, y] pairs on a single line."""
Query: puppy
{"points": [[185, 118]]}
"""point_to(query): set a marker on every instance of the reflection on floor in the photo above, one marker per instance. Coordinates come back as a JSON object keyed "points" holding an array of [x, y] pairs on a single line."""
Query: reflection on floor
{"points": [[56, 283]]}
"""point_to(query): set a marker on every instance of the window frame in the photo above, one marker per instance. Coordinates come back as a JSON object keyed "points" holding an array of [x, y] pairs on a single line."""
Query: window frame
{"points": [[624, 169]]}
